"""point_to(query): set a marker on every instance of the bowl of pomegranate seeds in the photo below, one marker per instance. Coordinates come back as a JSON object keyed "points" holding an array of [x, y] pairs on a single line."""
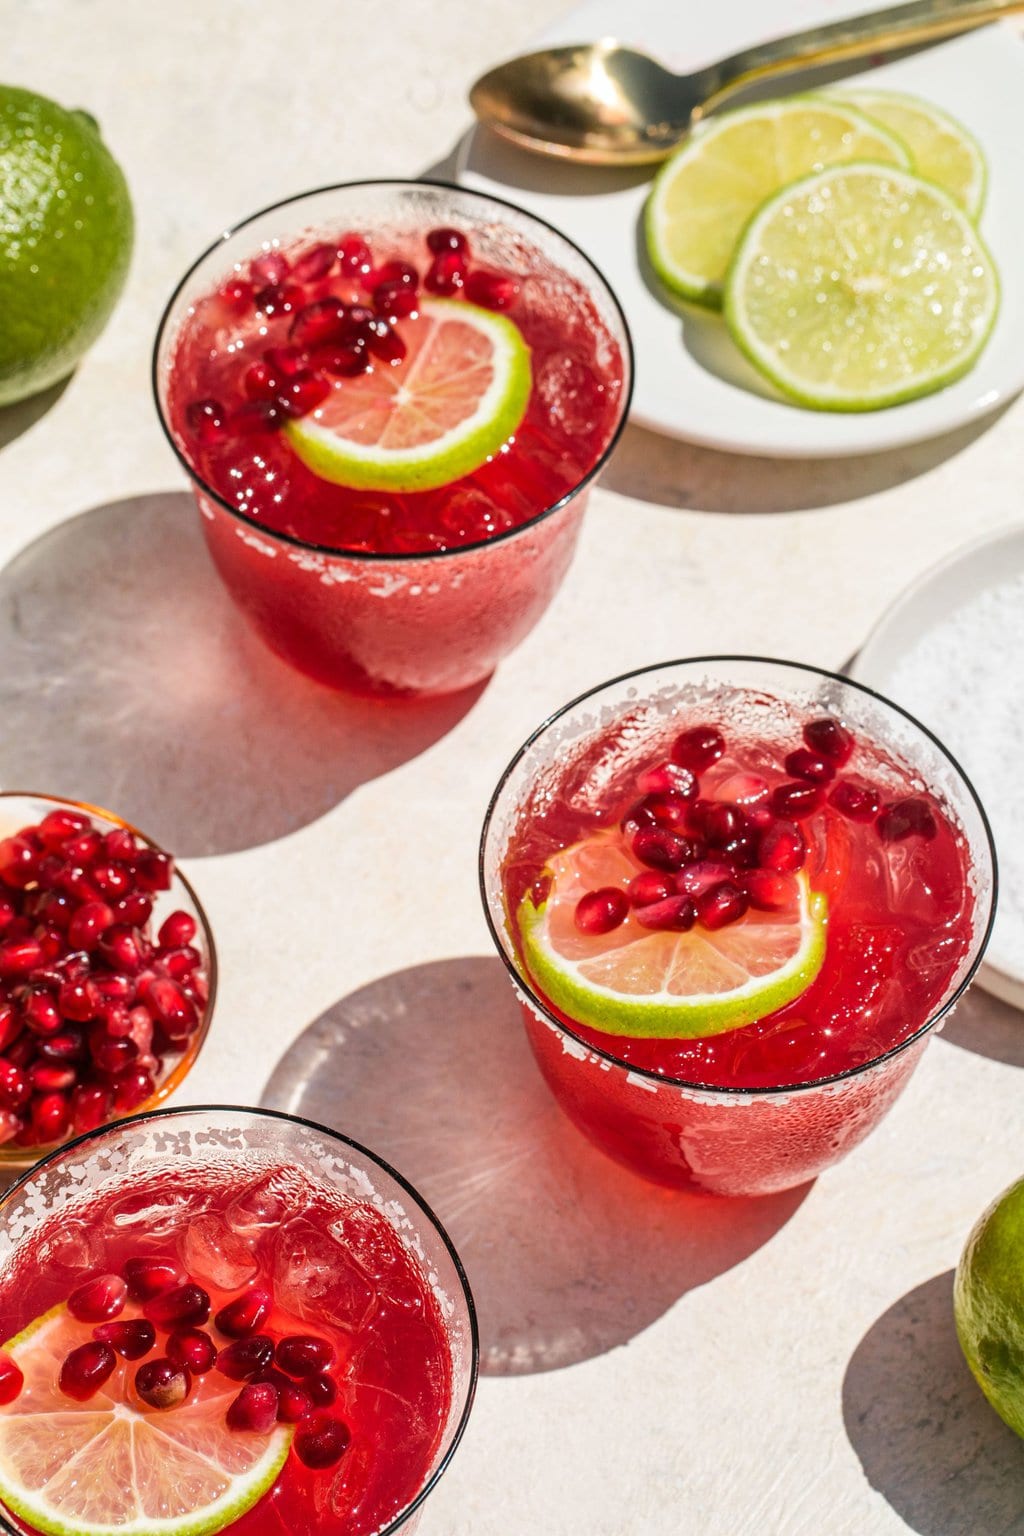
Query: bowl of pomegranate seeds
{"points": [[107, 973]]}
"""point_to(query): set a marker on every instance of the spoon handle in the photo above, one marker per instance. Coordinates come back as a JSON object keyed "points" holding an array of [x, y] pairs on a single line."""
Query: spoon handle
{"points": [[900, 27]]}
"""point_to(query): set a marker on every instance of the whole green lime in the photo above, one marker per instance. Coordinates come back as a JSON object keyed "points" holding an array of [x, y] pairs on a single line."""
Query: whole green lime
{"points": [[65, 239], [988, 1300]]}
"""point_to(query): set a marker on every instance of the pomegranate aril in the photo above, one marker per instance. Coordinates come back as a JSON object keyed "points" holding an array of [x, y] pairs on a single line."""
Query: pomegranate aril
{"points": [[285, 361], [192, 1348], [662, 849], [111, 877], [698, 747], [354, 254], [303, 1354], [19, 862], [722, 904], [907, 818], [446, 239], [41, 1012], [120, 844], [50, 1117], [148, 1278], [185, 1306], [254, 417], [245, 1314], [10, 1025], [321, 1442], [111, 1053], [255, 1408], [293, 1403], [85, 1370], [131, 1088], [829, 739], [162, 1384], [677, 913], [90, 1107], [49, 1076], [402, 272], [324, 320], [58, 827], [647, 888], [321, 1390], [303, 393], [236, 294], [718, 821], [99, 1299], [805, 764], [121, 947], [19, 956], [67, 1046], [15, 1086], [797, 799], [8, 913], [178, 963], [342, 359], [446, 273], [154, 870], [491, 290], [383, 341], [79, 1001], [172, 1008], [602, 910], [855, 802], [133, 909], [83, 849], [769, 890], [666, 809], [668, 778], [246, 1358], [12, 1380], [207, 421], [271, 267], [315, 264], [131, 1340], [89, 924], [394, 299], [260, 382], [782, 847]]}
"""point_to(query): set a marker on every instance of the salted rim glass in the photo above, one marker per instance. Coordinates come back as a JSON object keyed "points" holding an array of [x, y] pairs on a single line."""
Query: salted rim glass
{"points": [[181, 894], [511, 214], [218, 1117], [831, 688]]}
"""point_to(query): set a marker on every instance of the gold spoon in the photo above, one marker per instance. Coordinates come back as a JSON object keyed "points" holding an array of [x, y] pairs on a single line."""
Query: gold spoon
{"points": [[604, 104]]}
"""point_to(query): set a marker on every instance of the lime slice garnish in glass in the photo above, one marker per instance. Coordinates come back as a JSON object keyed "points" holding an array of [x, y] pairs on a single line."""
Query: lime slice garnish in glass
{"points": [[635, 981], [859, 287], [457, 396], [941, 148], [727, 167]]}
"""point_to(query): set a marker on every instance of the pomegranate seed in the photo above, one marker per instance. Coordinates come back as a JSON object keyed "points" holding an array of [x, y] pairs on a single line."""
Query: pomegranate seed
{"points": [[342, 359], [130, 1340], [492, 290], [15, 1087], [207, 421], [697, 878], [647, 888], [855, 802], [133, 909], [303, 1354], [120, 844], [303, 393], [445, 239], [602, 910], [19, 956], [245, 1314], [85, 1370], [394, 299], [41, 1012], [907, 818], [315, 264], [246, 1358], [82, 850], [698, 748], [677, 913], [769, 890], [90, 1107], [797, 799], [257, 416], [111, 877], [131, 1088], [804, 764], [186, 1306], [293, 1403], [237, 294], [396, 272], [324, 320], [162, 1384], [99, 1299], [743, 789], [829, 739], [66, 1047], [272, 268], [148, 1278], [722, 904], [111, 1053], [10, 1025], [121, 947], [321, 1442], [58, 826], [49, 1077], [50, 1117], [89, 924], [260, 382], [193, 1349], [663, 849], [741, 851], [285, 361], [354, 253], [115, 988], [661, 810], [178, 963], [79, 1001], [12, 1380], [668, 778], [19, 862], [321, 1390], [782, 847], [446, 273], [255, 1408], [9, 913], [719, 822], [154, 870], [173, 1009], [384, 342]]}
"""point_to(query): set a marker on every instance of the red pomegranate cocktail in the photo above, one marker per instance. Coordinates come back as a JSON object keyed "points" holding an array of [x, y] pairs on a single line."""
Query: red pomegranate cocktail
{"points": [[391, 398], [735, 897], [226, 1319]]}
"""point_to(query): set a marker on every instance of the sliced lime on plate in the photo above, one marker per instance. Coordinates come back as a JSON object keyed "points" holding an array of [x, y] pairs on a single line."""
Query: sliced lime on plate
{"points": [[940, 147]]}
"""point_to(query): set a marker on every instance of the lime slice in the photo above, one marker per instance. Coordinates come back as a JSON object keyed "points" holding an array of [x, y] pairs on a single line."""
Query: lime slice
{"points": [[633, 981], [110, 1467], [458, 395], [861, 287], [941, 149], [704, 196]]}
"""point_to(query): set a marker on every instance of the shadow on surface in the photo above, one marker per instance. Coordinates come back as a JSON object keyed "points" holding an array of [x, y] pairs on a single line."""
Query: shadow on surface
{"points": [[926, 1437], [568, 1255], [987, 1027], [128, 679], [16, 419]]}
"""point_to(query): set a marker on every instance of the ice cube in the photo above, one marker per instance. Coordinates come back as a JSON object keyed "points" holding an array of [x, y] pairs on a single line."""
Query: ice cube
{"points": [[215, 1255], [370, 1239], [566, 386], [317, 1279], [152, 1218], [75, 1246], [261, 1205]]}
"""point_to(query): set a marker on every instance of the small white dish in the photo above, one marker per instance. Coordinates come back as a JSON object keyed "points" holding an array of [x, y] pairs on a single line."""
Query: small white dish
{"points": [[992, 562], [691, 381]]}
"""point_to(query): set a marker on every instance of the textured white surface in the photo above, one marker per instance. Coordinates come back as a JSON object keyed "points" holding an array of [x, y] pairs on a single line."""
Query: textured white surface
{"points": [[786, 1370]]}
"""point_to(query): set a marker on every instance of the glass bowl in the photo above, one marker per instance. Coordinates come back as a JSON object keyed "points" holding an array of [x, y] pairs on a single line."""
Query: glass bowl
{"points": [[391, 624], [20, 809]]}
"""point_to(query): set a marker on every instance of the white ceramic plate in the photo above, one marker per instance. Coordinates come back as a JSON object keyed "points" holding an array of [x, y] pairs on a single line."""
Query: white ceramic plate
{"points": [[691, 381], [992, 561]]}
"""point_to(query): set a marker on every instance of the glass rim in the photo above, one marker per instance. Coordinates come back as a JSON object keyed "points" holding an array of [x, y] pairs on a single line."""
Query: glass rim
{"points": [[377, 556], [12, 1156], [522, 981], [324, 1130]]}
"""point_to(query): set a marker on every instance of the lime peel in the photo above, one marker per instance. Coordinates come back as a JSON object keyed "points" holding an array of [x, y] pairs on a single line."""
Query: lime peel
{"points": [[941, 148]]}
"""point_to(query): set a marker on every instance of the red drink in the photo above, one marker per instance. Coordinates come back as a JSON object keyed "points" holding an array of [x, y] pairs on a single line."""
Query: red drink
{"points": [[387, 587], [885, 831], [363, 1366]]}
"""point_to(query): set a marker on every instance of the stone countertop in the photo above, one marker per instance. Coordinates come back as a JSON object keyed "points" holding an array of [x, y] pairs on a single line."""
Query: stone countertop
{"points": [[652, 1363]]}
